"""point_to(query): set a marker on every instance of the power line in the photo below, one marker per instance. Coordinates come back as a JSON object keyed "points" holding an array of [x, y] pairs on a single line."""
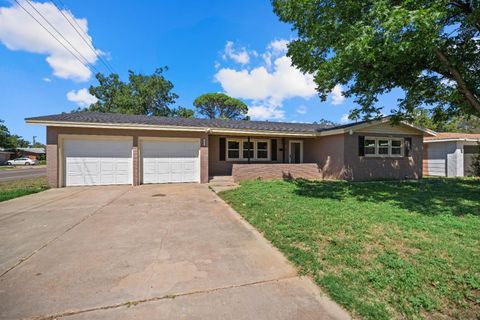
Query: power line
{"points": [[60, 42], [81, 33], [61, 35]]}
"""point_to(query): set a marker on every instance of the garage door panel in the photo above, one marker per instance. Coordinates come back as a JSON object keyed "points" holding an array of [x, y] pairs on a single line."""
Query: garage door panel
{"points": [[98, 162], [175, 161]]}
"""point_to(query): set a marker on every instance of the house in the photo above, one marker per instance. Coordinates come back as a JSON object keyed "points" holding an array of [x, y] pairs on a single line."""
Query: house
{"points": [[450, 154], [87, 148], [32, 153], [5, 155]]}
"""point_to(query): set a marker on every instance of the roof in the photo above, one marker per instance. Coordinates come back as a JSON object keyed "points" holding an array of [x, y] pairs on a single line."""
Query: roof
{"points": [[32, 150], [453, 136], [116, 120]]}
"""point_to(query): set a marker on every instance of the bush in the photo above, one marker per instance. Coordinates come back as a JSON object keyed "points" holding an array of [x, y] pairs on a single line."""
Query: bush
{"points": [[476, 163]]}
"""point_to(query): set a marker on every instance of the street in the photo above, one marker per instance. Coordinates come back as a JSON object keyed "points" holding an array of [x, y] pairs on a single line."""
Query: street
{"points": [[22, 173]]}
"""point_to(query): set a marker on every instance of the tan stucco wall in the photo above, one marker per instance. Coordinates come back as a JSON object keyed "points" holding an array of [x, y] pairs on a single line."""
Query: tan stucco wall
{"points": [[367, 168], [53, 149], [328, 153]]}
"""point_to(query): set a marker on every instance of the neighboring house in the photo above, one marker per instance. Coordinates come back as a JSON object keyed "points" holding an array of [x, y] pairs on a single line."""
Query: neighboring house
{"points": [[5, 155], [450, 154], [99, 148], [32, 153]]}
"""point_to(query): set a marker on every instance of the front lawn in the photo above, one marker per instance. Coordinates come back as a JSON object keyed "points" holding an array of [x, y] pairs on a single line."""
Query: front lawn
{"points": [[381, 249], [21, 187]]}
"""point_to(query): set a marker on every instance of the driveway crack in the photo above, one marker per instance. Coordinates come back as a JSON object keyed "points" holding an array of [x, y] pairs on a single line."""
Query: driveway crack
{"points": [[160, 298], [22, 260]]}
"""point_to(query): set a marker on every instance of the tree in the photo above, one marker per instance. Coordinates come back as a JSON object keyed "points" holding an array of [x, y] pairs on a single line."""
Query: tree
{"points": [[326, 123], [219, 105], [5, 141], [182, 112], [467, 124], [11, 141], [143, 94], [428, 48]]}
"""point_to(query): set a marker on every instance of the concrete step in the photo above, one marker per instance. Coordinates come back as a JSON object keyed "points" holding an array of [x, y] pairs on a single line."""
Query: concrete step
{"points": [[221, 179]]}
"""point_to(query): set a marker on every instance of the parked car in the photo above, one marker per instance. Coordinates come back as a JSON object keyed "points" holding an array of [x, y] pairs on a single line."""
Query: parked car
{"points": [[22, 162]]}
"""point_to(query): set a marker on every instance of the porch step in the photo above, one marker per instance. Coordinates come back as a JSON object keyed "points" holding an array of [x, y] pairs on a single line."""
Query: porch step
{"points": [[222, 183]]}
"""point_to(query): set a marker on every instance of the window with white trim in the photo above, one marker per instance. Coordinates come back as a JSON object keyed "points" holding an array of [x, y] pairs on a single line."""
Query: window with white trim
{"points": [[261, 151], [238, 149], [383, 147]]}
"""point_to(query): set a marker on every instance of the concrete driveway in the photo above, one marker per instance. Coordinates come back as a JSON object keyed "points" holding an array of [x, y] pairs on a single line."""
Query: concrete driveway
{"points": [[154, 251]]}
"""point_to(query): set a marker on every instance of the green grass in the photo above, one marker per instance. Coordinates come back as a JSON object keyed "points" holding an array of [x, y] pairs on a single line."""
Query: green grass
{"points": [[6, 167], [22, 187], [383, 250]]}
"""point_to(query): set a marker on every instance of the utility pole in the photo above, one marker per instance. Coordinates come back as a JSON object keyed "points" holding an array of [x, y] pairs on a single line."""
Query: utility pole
{"points": [[33, 140]]}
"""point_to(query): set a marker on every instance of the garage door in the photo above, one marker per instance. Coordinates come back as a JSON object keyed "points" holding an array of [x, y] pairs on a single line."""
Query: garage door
{"points": [[98, 162], [170, 160]]}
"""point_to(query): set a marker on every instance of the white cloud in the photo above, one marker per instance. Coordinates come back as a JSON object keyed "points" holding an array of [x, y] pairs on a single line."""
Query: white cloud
{"points": [[301, 109], [268, 85], [275, 49], [337, 95], [279, 46], [18, 31], [344, 119], [266, 112], [240, 56], [81, 97], [284, 82], [46, 79]]}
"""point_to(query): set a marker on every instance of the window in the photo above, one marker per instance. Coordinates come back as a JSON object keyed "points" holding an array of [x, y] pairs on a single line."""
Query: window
{"points": [[233, 149], [262, 150], [246, 145], [383, 147], [238, 149]]}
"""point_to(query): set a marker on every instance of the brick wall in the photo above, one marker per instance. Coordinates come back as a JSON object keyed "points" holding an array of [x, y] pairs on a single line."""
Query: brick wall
{"points": [[275, 171]]}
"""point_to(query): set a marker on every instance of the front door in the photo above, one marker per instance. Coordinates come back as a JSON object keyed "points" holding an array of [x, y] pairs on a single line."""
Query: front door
{"points": [[296, 152]]}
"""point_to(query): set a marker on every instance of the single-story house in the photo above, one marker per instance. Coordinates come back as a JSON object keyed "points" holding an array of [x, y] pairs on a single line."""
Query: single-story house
{"points": [[86, 148], [32, 153], [450, 154], [5, 155]]}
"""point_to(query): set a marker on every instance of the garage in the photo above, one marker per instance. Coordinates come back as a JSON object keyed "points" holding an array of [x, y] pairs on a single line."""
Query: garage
{"points": [[169, 160], [98, 161]]}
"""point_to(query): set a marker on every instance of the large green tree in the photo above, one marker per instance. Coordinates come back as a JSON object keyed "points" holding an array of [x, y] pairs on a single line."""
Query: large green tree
{"points": [[10, 141], [467, 124], [142, 94], [428, 48], [219, 105]]}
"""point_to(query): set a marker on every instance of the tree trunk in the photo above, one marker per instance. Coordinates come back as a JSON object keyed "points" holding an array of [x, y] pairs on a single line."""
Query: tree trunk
{"points": [[462, 85]]}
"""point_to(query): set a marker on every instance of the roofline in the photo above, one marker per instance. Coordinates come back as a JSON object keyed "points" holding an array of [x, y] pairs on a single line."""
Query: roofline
{"points": [[218, 131], [371, 123], [168, 128], [453, 140]]}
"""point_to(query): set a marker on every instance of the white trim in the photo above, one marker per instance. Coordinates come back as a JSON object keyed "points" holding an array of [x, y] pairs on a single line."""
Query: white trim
{"points": [[290, 150], [255, 149], [389, 155], [452, 140]]}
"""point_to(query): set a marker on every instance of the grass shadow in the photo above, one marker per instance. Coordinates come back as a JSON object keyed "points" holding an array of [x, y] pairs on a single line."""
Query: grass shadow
{"points": [[429, 196]]}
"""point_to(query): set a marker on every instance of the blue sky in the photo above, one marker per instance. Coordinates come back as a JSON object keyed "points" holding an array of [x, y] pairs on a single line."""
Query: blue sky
{"points": [[237, 47]]}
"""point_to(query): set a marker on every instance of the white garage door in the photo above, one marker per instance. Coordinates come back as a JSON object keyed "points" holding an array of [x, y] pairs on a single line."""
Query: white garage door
{"points": [[170, 160], [98, 162]]}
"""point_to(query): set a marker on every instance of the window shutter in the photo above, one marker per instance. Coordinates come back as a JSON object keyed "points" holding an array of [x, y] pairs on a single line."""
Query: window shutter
{"points": [[408, 146], [361, 146], [222, 149], [273, 145]]}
